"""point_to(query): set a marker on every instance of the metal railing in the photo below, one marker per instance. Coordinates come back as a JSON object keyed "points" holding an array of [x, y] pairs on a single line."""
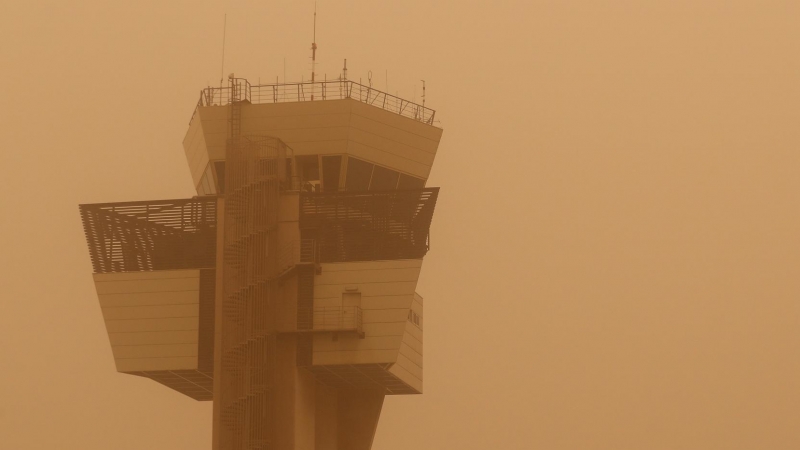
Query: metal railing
{"points": [[369, 226], [151, 235], [308, 251], [330, 318], [242, 90]]}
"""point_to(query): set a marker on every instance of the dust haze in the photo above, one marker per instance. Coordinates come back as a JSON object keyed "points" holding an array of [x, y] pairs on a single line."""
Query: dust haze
{"points": [[615, 255]]}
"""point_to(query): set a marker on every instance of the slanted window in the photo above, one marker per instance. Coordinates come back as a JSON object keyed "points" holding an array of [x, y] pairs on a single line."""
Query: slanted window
{"points": [[308, 171], [383, 179], [310, 168], [362, 176], [358, 175], [206, 186], [219, 168], [409, 182], [331, 167]]}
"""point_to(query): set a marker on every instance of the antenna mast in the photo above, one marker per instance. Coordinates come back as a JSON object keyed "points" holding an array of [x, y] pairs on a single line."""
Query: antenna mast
{"points": [[314, 50], [222, 65]]}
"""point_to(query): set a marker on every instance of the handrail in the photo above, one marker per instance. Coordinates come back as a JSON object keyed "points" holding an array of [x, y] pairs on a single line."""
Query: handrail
{"points": [[330, 318], [316, 91]]}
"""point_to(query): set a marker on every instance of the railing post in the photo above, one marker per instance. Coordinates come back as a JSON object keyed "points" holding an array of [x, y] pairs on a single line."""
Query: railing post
{"points": [[241, 89]]}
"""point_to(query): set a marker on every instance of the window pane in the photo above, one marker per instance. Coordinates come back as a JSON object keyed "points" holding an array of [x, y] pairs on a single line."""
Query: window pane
{"points": [[383, 179], [331, 166], [219, 167], [208, 182], [358, 174], [310, 170], [409, 182], [307, 167]]}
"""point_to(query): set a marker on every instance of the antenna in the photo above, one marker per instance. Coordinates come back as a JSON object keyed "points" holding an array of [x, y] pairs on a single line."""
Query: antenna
{"points": [[314, 50], [423, 93], [345, 69], [222, 66]]}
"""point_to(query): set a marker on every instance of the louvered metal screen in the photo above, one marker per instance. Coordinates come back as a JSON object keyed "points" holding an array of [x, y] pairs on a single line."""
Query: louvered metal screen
{"points": [[366, 226], [151, 235]]}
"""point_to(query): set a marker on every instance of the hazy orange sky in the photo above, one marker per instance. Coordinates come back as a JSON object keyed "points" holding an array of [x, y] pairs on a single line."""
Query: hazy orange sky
{"points": [[615, 256]]}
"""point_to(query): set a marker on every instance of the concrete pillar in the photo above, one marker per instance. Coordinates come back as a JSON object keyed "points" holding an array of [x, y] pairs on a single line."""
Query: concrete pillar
{"points": [[359, 411]]}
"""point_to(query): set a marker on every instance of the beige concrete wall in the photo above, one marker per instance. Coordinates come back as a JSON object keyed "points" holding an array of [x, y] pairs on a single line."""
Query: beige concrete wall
{"points": [[409, 360], [391, 140], [151, 318], [305, 410], [323, 127], [294, 399], [359, 411], [326, 428], [288, 235], [387, 293], [288, 230], [307, 127], [284, 397]]}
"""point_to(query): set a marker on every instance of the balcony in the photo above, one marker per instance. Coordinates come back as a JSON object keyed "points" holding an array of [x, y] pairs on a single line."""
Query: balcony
{"points": [[151, 235], [369, 226]]}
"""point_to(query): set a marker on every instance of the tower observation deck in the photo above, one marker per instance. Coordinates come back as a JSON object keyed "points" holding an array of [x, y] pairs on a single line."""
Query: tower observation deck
{"points": [[285, 291]]}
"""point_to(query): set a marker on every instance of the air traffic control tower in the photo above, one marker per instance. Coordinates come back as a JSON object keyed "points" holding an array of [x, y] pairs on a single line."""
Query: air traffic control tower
{"points": [[285, 290]]}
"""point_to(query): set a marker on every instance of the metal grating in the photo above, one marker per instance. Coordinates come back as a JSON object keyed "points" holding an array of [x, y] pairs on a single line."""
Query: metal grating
{"points": [[305, 317], [361, 376], [368, 226], [196, 384], [253, 179], [151, 235]]}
